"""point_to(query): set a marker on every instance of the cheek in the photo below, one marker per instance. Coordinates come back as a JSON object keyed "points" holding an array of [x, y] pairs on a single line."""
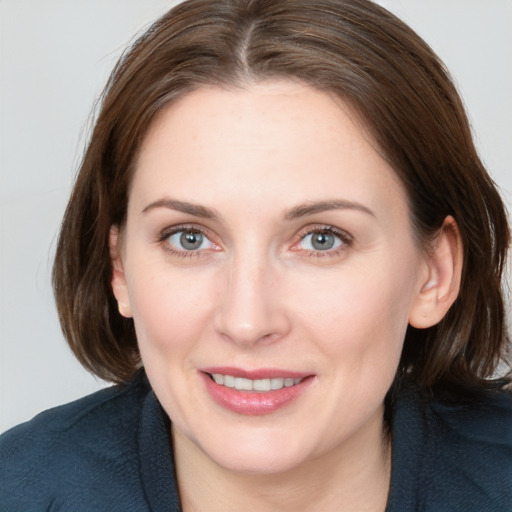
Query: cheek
{"points": [[169, 310], [361, 314]]}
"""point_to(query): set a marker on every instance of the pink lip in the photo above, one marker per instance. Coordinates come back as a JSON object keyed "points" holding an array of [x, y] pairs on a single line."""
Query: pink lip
{"points": [[252, 403]]}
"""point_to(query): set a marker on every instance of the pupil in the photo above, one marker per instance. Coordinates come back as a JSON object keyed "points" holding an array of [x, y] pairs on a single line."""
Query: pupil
{"points": [[190, 240], [322, 241]]}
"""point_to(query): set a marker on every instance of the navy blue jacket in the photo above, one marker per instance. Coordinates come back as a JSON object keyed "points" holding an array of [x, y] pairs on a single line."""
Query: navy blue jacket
{"points": [[110, 451]]}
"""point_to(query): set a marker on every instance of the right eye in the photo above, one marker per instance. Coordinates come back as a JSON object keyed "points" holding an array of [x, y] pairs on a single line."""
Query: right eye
{"points": [[188, 240]]}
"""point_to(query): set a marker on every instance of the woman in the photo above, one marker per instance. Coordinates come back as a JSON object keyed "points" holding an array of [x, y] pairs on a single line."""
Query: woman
{"points": [[283, 248]]}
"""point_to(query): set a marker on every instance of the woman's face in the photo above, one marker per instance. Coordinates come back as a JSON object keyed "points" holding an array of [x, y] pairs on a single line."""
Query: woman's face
{"points": [[268, 247]]}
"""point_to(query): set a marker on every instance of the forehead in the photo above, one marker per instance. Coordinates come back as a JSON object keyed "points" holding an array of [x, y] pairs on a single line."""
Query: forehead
{"points": [[279, 141]]}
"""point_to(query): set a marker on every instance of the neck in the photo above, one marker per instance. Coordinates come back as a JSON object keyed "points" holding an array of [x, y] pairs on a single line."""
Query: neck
{"points": [[354, 476]]}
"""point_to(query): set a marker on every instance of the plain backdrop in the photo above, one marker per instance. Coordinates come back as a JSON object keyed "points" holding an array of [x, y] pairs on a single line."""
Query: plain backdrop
{"points": [[55, 56]]}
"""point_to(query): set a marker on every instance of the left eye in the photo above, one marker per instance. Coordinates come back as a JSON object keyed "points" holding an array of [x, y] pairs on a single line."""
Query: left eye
{"points": [[320, 241], [189, 240]]}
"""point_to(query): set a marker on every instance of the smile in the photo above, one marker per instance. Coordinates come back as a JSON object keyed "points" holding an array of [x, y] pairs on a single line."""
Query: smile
{"points": [[258, 385]]}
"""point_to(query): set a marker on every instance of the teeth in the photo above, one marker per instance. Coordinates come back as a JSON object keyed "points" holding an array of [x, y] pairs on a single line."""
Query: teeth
{"points": [[229, 381], [218, 378], [242, 384], [261, 385], [276, 383]]}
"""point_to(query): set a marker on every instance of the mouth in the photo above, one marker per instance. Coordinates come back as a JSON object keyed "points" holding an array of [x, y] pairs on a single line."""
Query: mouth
{"points": [[255, 385], [256, 392]]}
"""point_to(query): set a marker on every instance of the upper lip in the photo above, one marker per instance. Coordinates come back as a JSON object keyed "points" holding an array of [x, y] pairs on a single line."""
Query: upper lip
{"points": [[260, 373]]}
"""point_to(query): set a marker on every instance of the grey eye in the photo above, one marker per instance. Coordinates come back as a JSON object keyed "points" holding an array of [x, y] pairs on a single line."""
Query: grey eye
{"points": [[321, 241], [188, 241]]}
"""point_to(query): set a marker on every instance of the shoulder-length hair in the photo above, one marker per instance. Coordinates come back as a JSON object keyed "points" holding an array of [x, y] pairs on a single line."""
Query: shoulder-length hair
{"points": [[352, 49]]}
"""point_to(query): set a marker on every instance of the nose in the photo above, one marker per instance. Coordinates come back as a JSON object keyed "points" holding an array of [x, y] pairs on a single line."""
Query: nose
{"points": [[251, 307]]}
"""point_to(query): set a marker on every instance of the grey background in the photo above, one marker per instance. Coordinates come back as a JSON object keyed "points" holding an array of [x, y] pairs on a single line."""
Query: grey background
{"points": [[55, 56]]}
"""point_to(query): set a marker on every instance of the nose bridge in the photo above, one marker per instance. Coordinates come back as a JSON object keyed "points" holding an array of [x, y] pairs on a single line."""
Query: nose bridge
{"points": [[250, 307]]}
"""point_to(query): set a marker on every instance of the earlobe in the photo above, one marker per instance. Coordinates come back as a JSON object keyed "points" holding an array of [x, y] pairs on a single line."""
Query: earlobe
{"points": [[118, 280], [440, 288]]}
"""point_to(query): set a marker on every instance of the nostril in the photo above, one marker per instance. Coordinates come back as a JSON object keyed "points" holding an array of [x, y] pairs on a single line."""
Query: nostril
{"points": [[248, 314]]}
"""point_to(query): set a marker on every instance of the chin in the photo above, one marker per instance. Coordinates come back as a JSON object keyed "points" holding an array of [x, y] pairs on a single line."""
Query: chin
{"points": [[260, 452], [263, 462]]}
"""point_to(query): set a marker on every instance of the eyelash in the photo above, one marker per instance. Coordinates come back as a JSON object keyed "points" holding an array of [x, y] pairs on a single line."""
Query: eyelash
{"points": [[164, 236], [345, 239]]}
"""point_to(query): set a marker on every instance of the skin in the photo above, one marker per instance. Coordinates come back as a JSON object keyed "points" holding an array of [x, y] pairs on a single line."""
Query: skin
{"points": [[257, 294]]}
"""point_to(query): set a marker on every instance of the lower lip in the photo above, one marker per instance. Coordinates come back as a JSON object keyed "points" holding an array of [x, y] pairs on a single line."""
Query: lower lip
{"points": [[251, 403]]}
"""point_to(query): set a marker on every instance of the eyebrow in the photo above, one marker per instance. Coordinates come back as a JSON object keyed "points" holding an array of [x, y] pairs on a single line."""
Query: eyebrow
{"points": [[182, 206], [301, 210], [310, 208]]}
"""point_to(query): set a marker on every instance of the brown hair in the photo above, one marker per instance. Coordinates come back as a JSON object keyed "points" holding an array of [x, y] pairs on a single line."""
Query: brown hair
{"points": [[352, 49]]}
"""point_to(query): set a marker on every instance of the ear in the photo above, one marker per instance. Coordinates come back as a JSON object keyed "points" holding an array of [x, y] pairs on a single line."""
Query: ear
{"points": [[440, 284], [118, 281]]}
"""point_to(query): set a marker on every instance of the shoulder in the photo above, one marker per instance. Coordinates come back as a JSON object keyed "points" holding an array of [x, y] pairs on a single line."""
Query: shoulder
{"points": [[56, 459], [465, 458], [476, 448], [483, 421]]}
